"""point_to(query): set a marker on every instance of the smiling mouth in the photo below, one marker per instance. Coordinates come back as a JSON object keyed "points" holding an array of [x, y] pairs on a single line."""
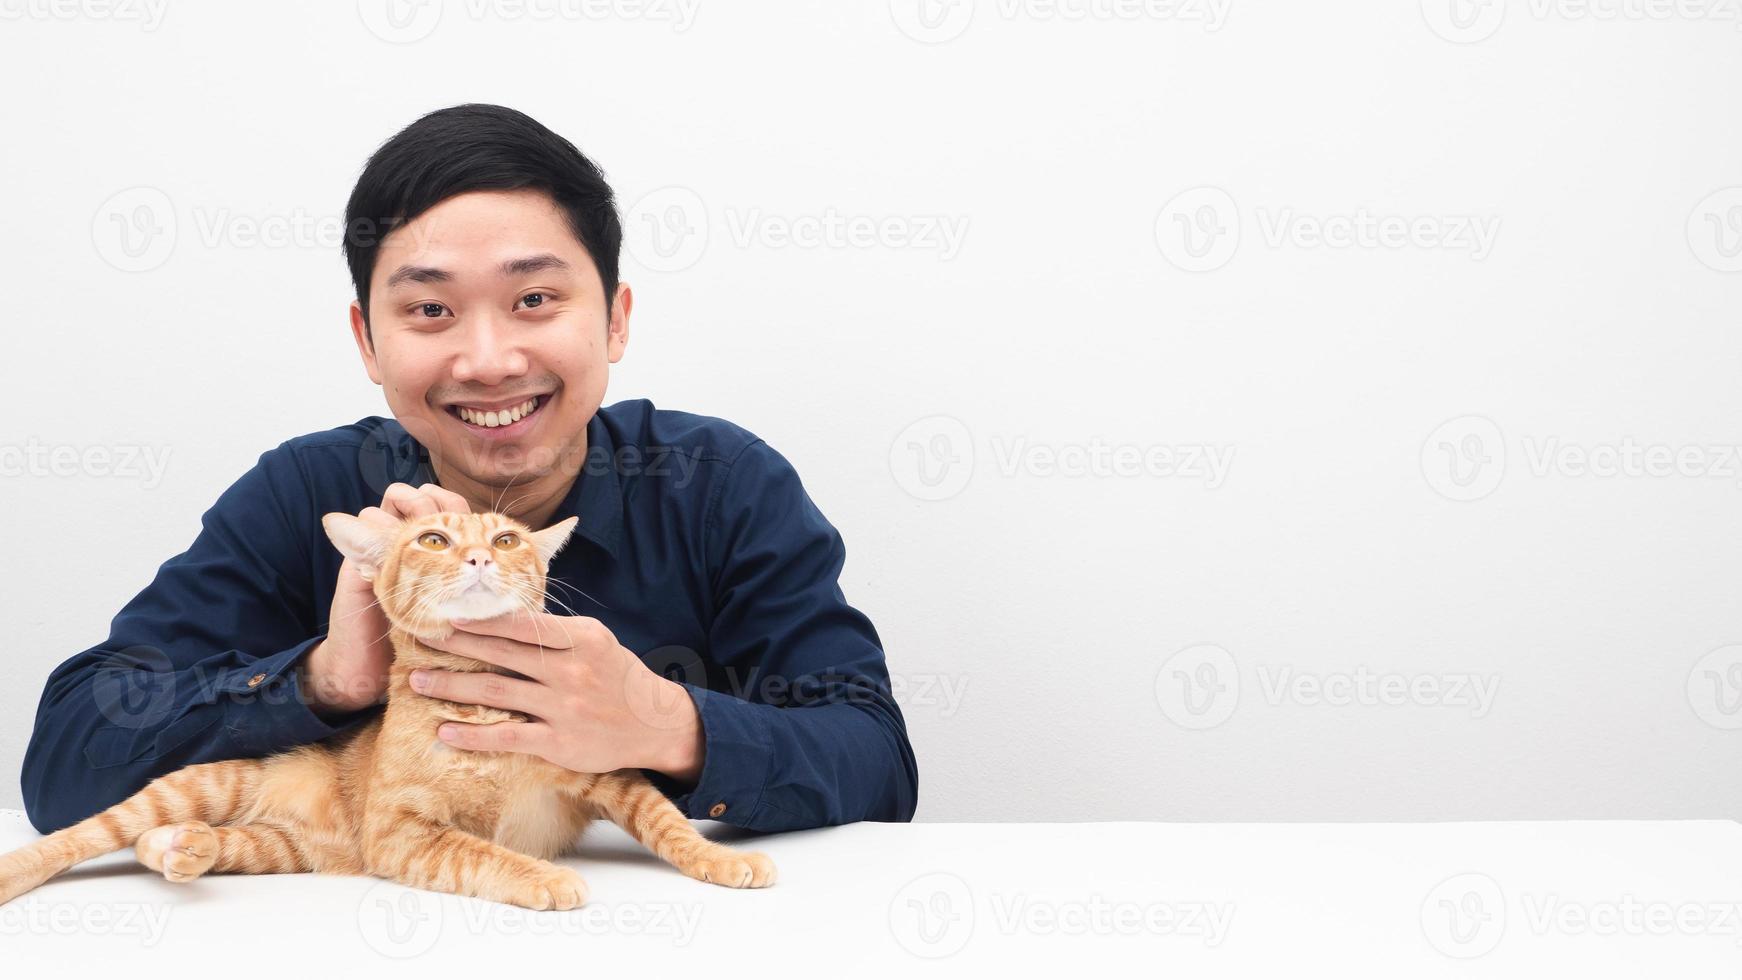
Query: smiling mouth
{"points": [[512, 417]]}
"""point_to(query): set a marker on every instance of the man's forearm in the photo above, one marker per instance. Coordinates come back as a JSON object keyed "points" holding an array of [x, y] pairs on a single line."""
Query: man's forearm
{"points": [[109, 723]]}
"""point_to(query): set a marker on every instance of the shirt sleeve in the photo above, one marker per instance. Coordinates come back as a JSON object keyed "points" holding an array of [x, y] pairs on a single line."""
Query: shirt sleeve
{"points": [[823, 742], [198, 667]]}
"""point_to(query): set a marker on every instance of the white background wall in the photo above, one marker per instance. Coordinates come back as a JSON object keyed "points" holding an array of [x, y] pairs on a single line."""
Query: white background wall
{"points": [[1071, 646]]}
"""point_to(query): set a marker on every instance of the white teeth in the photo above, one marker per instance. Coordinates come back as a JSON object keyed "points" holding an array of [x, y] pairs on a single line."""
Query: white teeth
{"points": [[491, 420]]}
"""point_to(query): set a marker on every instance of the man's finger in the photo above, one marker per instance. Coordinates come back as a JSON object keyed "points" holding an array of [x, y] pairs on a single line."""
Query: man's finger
{"points": [[503, 736], [376, 515], [446, 499], [539, 629], [522, 658], [405, 500], [486, 688]]}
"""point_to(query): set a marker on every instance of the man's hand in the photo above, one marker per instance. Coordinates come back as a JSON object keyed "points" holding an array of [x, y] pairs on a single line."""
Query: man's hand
{"points": [[348, 670], [595, 706]]}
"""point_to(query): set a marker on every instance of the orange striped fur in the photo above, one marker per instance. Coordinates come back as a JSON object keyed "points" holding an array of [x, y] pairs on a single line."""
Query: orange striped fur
{"points": [[387, 798]]}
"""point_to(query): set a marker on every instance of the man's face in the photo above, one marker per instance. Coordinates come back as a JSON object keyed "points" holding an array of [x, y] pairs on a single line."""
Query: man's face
{"points": [[484, 303]]}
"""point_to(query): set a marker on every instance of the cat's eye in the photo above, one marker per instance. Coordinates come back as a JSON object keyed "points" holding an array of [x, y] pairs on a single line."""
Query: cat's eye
{"points": [[507, 540], [433, 540]]}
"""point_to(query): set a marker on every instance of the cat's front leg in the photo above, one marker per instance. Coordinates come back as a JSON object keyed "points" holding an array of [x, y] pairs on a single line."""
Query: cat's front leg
{"points": [[626, 798], [411, 849]]}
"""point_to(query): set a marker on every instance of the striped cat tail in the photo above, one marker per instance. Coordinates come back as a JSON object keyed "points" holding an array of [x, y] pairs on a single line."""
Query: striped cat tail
{"points": [[213, 792]]}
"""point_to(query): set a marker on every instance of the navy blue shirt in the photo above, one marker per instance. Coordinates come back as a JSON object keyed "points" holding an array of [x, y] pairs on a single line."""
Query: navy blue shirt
{"points": [[697, 546]]}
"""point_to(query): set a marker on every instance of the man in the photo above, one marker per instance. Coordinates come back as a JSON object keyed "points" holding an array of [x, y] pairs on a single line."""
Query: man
{"points": [[695, 628]]}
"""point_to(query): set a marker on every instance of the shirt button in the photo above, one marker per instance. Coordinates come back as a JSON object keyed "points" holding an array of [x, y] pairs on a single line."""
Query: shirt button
{"points": [[255, 680], [716, 809]]}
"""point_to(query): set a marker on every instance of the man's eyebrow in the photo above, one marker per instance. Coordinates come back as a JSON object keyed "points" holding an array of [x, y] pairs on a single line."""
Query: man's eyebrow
{"points": [[417, 273], [523, 266], [533, 263]]}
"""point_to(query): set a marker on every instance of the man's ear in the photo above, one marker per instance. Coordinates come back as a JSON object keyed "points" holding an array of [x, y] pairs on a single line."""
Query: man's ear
{"points": [[551, 540], [358, 540], [617, 329], [365, 342]]}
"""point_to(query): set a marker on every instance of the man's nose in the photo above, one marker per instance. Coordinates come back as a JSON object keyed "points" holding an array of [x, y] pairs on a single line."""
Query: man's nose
{"points": [[491, 352]]}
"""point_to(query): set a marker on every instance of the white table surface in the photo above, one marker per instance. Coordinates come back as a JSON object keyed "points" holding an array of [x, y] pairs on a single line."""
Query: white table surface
{"points": [[1583, 899]]}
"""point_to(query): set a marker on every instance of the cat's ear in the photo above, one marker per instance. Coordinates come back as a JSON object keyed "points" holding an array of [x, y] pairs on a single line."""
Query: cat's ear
{"points": [[358, 540], [551, 540]]}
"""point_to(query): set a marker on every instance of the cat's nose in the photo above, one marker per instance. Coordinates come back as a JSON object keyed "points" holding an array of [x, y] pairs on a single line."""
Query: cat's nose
{"points": [[478, 556]]}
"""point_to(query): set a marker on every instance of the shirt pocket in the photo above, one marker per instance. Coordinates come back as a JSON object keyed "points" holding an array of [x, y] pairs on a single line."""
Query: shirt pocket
{"points": [[118, 745]]}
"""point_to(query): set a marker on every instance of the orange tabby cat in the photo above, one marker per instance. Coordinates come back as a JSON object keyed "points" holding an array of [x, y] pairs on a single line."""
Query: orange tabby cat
{"points": [[387, 798]]}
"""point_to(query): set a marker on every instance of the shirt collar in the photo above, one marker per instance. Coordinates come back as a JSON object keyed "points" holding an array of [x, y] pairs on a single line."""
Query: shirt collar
{"points": [[596, 496]]}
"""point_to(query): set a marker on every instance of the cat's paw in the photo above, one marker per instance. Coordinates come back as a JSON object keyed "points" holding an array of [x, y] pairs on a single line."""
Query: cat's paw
{"points": [[734, 869], [182, 851], [558, 889]]}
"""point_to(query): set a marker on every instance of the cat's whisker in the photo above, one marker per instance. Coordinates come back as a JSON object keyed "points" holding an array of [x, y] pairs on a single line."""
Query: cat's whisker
{"points": [[557, 581], [514, 503], [497, 506], [396, 593], [564, 606], [526, 597]]}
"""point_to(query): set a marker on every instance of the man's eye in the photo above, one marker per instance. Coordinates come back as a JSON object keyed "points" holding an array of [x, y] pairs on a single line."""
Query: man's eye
{"points": [[431, 309], [533, 299]]}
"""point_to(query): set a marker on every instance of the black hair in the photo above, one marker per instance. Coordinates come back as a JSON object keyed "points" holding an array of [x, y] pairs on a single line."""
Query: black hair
{"points": [[477, 147]]}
